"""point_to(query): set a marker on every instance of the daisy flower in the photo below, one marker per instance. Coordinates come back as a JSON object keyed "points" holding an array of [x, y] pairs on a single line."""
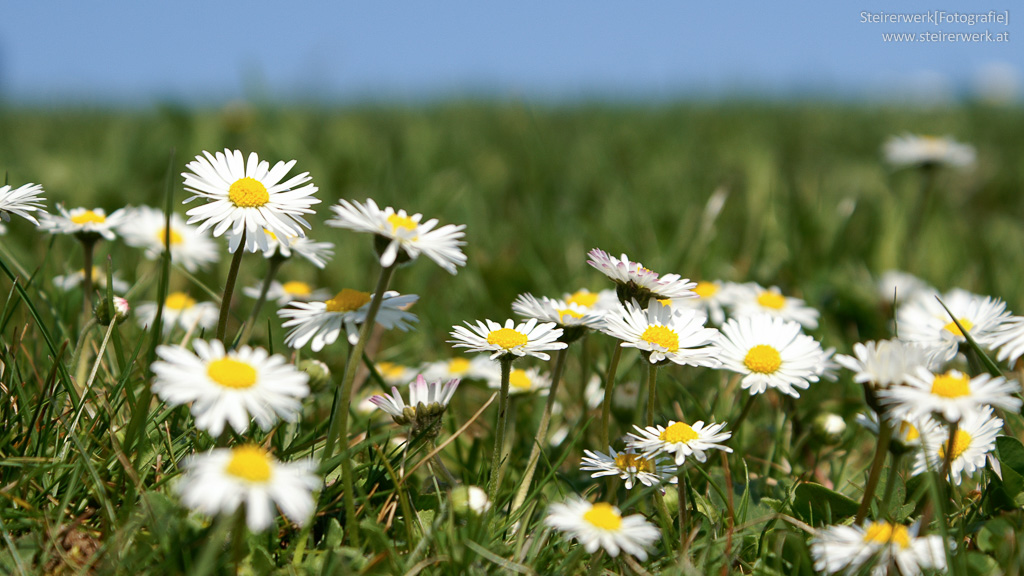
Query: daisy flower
{"points": [[248, 196], [849, 550], [71, 281], [82, 222], [680, 439], [223, 479], [662, 333], [566, 315], [914, 150], [1009, 340], [229, 387], [771, 353], [898, 287], [316, 252], [712, 298], [923, 320], [975, 438], [525, 339], [953, 395], [523, 381], [427, 402], [395, 374], [751, 299], [21, 201], [476, 368], [602, 525], [906, 434], [637, 282], [597, 302], [629, 466], [290, 291], [883, 364], [180, 310], [144, 228], [398, 231], [320, 323]]}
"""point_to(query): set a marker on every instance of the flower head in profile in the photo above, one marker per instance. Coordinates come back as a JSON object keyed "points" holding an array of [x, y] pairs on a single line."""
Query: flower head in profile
{"points": [[975, 437], [229, 387], [320, 323], [509, 341], [317, 253], [401, 237], [475, 368], [180, 311], [665, 334], [952, 394], [602, 525], [219, 481], [919, 151], [22, 201], [883, 364], [570, 317], [290, 291], [629, 466], [925, 321], [875, 546], [752, 299], [680, 440], [427, 403], [144, 227], [522, 381], [634, 281], [83, 223], [246, 197], [771, 353]]}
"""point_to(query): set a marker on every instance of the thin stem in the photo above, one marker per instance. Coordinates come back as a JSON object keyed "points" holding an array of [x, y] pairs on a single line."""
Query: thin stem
{"points": [[684, 514], [652, 381], [275, 265], [494, 481], [609, 385], [542, 432], [947, 461], [743, 414], [87, 254], [881, 451], [890, 485], [229, 288]]}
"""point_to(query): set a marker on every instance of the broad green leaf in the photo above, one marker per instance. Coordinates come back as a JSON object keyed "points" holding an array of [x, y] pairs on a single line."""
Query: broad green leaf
{"points": [[818, 505]]}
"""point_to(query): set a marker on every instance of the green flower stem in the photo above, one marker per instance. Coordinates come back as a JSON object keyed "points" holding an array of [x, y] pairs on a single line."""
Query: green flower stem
{"points": [[684, 514], [229, 289], [275, 265], [542, 433], [652, 381], [881, 451], [609, 385], [88, 244], [743, 413], [338, 427], [494, 481], [947, 461]]}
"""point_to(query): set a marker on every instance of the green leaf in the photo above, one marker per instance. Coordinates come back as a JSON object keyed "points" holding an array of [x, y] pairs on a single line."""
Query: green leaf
{"points": [[1010, 453], [816, 504], [981, 564], [995, 532]]}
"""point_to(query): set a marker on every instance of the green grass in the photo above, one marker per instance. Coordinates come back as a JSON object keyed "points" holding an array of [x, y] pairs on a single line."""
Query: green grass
{"points": [[809, 206]]}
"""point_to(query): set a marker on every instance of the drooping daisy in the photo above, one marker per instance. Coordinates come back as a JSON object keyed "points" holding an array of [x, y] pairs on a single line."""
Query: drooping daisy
{"points": [[525, 339], [637, 282], [771, 353], [914, 150], [953, 394], [180, 310], [291, 291], [602, 525], [975, 438], [898, 287], [397, 231], [320, 323], [564, 314], [22, 201], [662, 333], [71, 281], [427, 402], [248, 196], [475, 368], [681, 439], [223, 479], [849, 550], [923, 320], [144, 228], [316, 252], [229, 387], [526, 381], [751, 299], [883, 364], [83, 222], [629, 466]]}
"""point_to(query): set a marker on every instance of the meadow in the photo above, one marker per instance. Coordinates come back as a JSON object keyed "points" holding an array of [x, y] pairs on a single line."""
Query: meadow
{"points": [[796, 196]]}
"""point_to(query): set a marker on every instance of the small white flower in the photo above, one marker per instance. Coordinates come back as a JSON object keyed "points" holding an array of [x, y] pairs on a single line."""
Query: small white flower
{"points": [[144, 228], [229, 387], [71, 281], [403, 232], [975, 437], [896, 287], [396, 374], [318, 253], [629, 466], [1009, 340], [320, 323], [248, 196], [906, 433], [883, 364], [525, 339], [665, 334], [291, 291], [681, 439], [21, 201], [83, 222], [771, 353], [953, 395], [180, 310], [562, 313], [638, 281], [523, 381], [223, 479], [602, 525], [597, 302], [712, 298], [850, 549], [923, 320], [914, 150], [426, 399], [476, 368], [752, 299]]}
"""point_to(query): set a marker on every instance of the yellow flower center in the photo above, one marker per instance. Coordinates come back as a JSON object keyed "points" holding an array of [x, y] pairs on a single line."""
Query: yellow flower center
{"points": [[706, 289], [952, 384], [179, 301], [176, 238], [583, 298], [458, 365], [250, 463], [519, 379], [506, 338], [763, 359], [908, 432], [231, 373], [570, 313], [347, 301], [628, 462], [248, 193], [296, 288], [88, 217], [772, 300], [404, 222], [680, 432], [390, 369], [603, 516], [884, 533], [961, 442], [955, 330], [661, 336]]}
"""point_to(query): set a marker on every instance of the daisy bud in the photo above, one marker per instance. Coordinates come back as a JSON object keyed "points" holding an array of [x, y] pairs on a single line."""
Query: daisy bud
{"points": [[470, 499], [319, 373], [829, 428], [121, 311]]}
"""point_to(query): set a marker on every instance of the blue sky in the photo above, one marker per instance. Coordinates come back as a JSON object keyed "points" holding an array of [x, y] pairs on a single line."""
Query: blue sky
{"points": [[213, 51]]}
